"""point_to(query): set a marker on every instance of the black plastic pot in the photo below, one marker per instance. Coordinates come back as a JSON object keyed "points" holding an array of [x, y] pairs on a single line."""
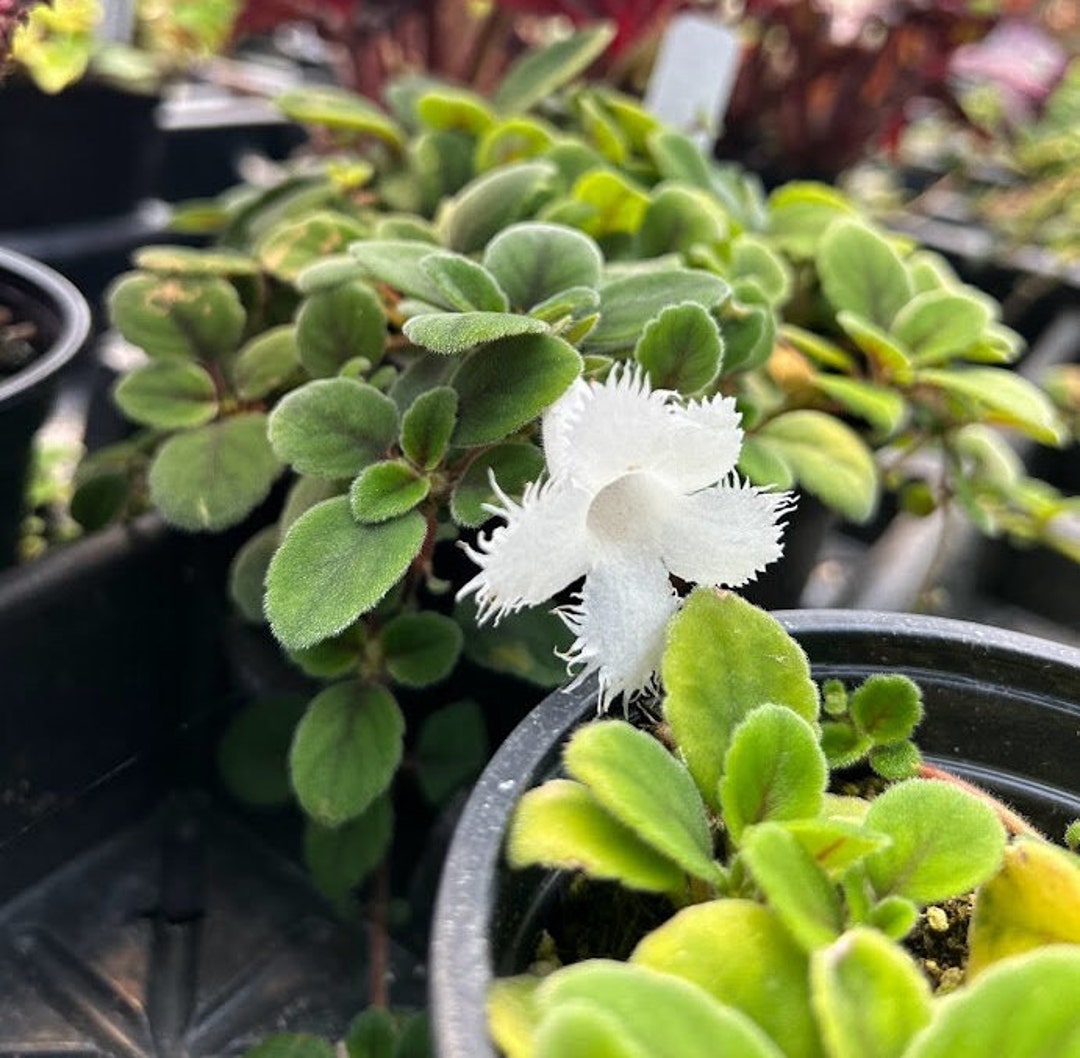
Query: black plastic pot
{"points": [[1002, 709], [62, 321]]}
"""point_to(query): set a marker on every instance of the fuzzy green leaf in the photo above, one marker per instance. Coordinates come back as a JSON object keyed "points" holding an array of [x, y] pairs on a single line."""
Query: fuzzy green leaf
{"points": [[335, 108], [642, 785], [328, 272], [522, 644], [333, 427], [664, 1016], [1003, 397], [604, 203], [420, 648], [862, 273], [247, 573], [869, 996], [515, 140], [452, 109], [197, 318], [168, 394], [939, 325], [466, 285], [895, 760], [303, 494], [341, 857], [456, 332], [507, 384], [891, 359], [677, 218], [541, 72], [339, 324], [386, 490], [192, 261], [1024, 1008], [451, 749], [834, 844], [681, 349], [576, 303], [796, 887], [329, 570], [719, 632], [215, 476], [253, 753], [741, 954], [427, 426], [288, 247], [763, 466], [627, 304], [583, 1030], [396, 262], [492, 202], [944, 841], [829, 459], [773, 769], [881, 407], [266, 363], [345, 751], [562, 824], [753, 258], [513, 465], [534, 262], [887, 707]]}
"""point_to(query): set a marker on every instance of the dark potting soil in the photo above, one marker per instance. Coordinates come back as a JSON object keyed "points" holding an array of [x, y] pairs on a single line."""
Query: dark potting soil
{"points": [[17, 349]]}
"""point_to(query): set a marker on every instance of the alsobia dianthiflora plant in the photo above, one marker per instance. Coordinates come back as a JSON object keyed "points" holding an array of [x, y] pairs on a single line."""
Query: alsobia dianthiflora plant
{"points": [[379, 334]]}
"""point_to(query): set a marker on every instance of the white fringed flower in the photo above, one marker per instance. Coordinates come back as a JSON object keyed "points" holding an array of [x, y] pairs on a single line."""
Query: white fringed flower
{"points": [[640, 488]]}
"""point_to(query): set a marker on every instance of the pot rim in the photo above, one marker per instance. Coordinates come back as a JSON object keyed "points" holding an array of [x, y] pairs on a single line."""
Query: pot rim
{"points": [[60, 295], [465, 902]]}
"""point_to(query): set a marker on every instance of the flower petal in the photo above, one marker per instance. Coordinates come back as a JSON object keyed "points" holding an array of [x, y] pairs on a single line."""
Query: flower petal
{"points": [[542, 548], [597, 432], [620, 623], [725, 535]]}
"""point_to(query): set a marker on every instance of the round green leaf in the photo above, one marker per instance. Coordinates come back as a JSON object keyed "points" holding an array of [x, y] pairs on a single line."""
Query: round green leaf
{"points": [[862, 273], [449, 108], [800, 212], [396, 262], [288, 247], [870, 997], [427, 426], [721, 632], [507, 384], [341, 857], [773, 769], [938, 325], [451, 749], [583, 1030], [330, 569], [189, 261], [466, 285], [752, 258], [253, 754], [828, 458], [198, 318], [215, 476], [169, 395], [681, 349], [605, 203], [328, 272], [303, 494], [513, 466], [1023, 1008], [516, 140], [524, 644], [345, 752], [677, 218], [493, 202], [533, 262], [562, 824], [339, 324], [333, 427], [386, 490], [456, 332], [741, 954], [421, 648], [887, 707], [627, 304], [247, 574], [643, 786], [944, 841], [266, 363]]}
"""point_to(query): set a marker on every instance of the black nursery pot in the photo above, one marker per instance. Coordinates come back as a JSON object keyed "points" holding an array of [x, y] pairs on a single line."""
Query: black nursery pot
{"points": [[61, 319], [1002, 709]]}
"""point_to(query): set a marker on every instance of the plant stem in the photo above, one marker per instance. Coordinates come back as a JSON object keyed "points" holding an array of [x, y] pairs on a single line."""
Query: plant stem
{"points": [[1014, 822], [379, 979]]}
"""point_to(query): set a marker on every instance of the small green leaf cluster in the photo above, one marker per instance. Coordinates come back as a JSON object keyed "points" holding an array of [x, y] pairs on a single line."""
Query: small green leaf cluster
{"points": [[789, 901], [375, 1033]]}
